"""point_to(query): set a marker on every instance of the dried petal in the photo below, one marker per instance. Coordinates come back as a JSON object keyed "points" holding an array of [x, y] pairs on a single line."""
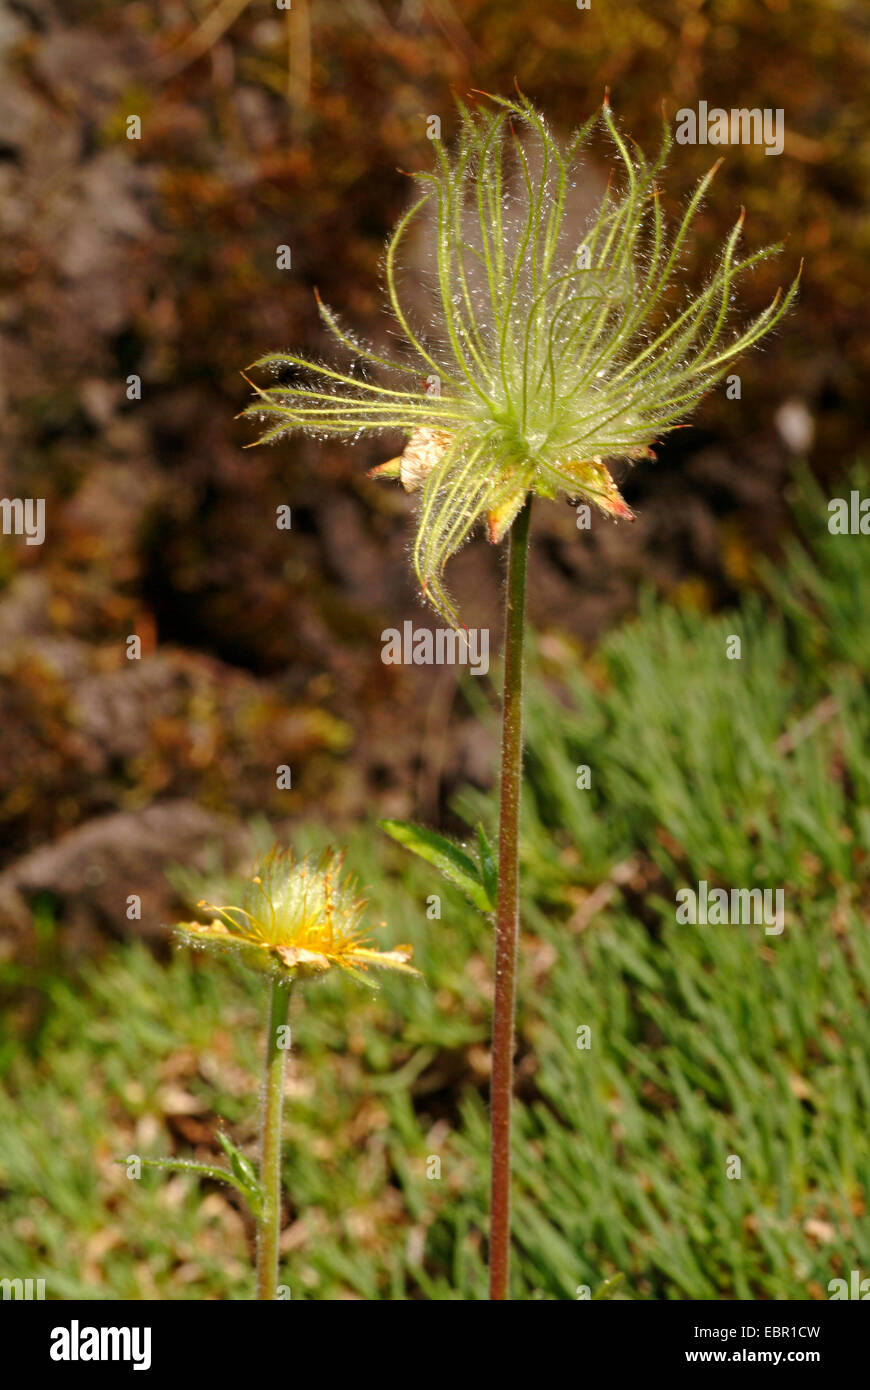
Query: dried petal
{"points": [[592, 479]]}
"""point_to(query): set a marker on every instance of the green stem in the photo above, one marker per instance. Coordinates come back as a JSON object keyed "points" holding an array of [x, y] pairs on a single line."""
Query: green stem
{"points": [[508, 909], [269, 1225]]}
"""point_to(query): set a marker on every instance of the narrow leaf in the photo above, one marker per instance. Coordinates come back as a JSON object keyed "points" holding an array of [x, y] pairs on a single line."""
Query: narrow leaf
{"points": [[452, 862], [244, 1171], [488, 866], [606, 1290], [186, 1165]]}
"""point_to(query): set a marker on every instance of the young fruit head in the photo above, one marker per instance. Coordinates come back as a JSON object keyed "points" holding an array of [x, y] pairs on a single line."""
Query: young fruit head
{"points": [[545, 358]]}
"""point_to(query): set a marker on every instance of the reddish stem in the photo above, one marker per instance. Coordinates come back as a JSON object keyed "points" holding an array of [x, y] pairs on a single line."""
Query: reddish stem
{"points": [[508, 909]]}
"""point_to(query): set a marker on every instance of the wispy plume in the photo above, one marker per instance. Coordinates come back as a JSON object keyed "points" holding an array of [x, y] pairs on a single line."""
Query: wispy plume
{"points": [[546, 358]]}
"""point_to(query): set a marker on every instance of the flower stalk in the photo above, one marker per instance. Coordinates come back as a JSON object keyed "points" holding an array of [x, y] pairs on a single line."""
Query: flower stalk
{"points": [[507, 912], [269, 1225], [295, 920]]}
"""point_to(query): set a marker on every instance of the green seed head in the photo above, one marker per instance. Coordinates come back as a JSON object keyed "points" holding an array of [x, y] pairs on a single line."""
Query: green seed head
{"points": [[543, 357]]}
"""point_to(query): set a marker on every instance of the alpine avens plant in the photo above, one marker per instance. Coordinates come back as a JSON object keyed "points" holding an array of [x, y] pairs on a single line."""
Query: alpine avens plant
{"points": [[294, 922], [545, 357]]}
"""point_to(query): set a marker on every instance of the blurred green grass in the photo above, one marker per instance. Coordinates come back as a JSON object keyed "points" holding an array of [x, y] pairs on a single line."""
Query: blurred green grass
{"points": [[706, 1041]]}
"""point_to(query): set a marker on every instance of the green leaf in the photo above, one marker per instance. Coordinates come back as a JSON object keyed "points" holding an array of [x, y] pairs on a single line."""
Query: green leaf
{"points": [[452, 862], [187, 1165], [606, 1290], [205, 1170], [244, 1171], [488, 866]]}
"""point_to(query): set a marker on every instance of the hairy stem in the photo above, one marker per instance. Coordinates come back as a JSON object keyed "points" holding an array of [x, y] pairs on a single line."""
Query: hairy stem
{"points": [[508, 910], [270, 1152]]}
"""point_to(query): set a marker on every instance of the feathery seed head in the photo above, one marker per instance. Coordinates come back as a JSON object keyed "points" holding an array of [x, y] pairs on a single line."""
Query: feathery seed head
{"points": [[549, 356]]}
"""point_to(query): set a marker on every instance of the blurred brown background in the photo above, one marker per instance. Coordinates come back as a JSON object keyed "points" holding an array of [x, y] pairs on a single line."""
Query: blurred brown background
{"points": [[157, 257]]}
